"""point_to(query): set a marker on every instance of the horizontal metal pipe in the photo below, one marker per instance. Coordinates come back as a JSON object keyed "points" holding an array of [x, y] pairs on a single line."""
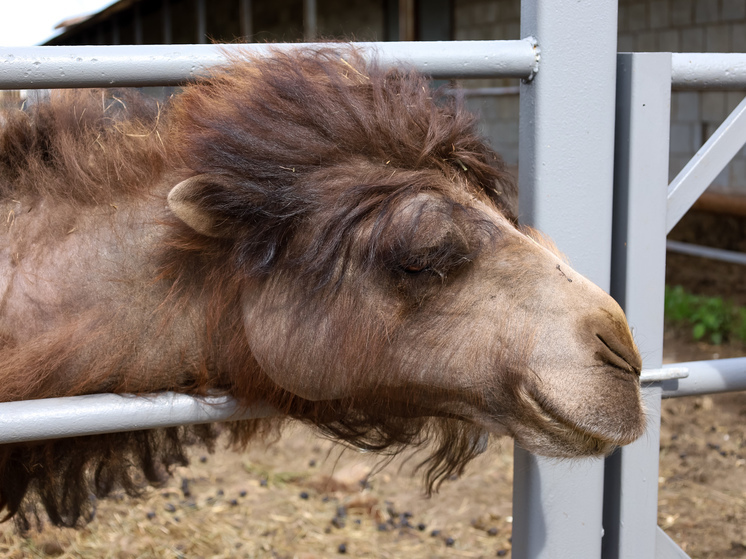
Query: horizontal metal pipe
{"points": [[707, 377], [708, 70], [54, 418], [136, 66], [486, 91], [658, 375], [707, 252]]}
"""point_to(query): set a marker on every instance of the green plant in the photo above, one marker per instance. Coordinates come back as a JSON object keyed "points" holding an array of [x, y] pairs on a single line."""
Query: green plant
{"points": [[741, 324], [711, 317]]}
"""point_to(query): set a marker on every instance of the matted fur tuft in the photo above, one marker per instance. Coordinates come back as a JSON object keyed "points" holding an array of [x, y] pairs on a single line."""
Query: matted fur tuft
{"points": [[82, 146]]}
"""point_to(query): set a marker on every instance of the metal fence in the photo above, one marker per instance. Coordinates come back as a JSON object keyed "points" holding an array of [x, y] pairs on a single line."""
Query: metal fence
{"points": [[594, 133]]}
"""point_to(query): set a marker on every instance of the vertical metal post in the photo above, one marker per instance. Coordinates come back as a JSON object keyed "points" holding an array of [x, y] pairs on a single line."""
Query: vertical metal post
{"points": [[391, 20], [115, 38], [566, 153], [406, 20], [137, 23], [638, 276], [167, 22], [247, 25], [201, 22], [309, 20]]}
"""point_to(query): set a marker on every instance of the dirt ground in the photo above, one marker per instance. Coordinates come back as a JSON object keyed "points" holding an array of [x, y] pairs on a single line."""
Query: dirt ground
{"points": [[702, 275], [303, 497]]}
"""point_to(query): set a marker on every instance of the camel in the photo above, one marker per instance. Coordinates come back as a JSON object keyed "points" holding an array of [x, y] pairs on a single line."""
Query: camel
{"points": [[306, 229]]}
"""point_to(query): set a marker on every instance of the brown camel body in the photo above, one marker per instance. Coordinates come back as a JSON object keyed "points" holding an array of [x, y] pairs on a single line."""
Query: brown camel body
{"points": [[306, 230]]}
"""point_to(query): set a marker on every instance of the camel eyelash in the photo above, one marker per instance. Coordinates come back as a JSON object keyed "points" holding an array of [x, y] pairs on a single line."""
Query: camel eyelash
{"points": [[434, 261]]}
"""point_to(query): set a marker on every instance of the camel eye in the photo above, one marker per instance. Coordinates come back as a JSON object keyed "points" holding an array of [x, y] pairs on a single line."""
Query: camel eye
{"points": [[434, 261], [414, 268]]}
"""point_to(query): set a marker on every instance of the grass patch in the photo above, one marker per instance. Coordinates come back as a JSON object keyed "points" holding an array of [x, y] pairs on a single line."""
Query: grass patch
{"points": [[710, 318]]}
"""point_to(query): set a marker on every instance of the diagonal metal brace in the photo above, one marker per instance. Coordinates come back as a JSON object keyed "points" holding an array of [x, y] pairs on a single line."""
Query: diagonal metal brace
{"points": [[706, 164]]}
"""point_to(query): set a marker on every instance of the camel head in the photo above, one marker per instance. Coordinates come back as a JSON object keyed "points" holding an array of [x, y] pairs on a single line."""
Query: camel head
{"points": [[383, 263]]}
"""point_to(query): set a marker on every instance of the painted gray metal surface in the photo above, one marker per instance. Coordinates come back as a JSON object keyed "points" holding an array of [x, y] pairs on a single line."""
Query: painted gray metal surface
{"points": [[708, 70], [666, 548], [707, 377], [490, 91], [124, 66], [637, 283], [658, 375], [706, 164], [566, 150], [52, 418], [707, 252]]}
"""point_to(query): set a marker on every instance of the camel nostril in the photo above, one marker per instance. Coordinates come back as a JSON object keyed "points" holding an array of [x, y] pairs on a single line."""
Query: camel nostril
{"points": [[617, 353]]}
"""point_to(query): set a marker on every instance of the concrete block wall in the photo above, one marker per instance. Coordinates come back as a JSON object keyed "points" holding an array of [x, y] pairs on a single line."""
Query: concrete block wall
{"points": [[361, 20], [644, 26], [691, 26]]}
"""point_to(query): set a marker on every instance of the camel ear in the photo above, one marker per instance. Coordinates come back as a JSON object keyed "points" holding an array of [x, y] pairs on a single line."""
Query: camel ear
{"points": [[190, 200]]}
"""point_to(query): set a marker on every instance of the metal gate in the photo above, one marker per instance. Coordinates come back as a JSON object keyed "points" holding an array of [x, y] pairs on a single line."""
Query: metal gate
{"points": [[597, 189]]}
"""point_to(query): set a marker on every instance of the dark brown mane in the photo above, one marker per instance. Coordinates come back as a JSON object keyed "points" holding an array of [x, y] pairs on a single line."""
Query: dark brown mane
{"points": [[293, 132], [283, 137]]}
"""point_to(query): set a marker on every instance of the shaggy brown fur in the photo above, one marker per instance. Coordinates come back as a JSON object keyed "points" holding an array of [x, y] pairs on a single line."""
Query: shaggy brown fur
{"points": [[287, 139]]}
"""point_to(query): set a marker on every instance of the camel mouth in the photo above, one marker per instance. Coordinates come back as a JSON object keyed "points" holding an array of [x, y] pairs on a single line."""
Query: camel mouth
{"points": [[564, 438]]}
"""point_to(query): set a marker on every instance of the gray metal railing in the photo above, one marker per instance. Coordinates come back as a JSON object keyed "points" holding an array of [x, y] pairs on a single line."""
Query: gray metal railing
{"points": [[137, 66], [55, 418], [707, 252], [567, 167]]}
